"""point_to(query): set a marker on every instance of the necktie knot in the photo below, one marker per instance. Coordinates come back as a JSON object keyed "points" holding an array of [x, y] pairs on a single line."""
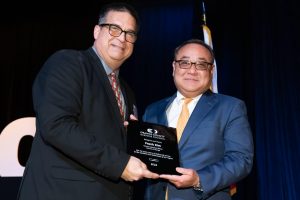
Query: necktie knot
{"points": [[113, 74], [186, 101], [113, 77]]}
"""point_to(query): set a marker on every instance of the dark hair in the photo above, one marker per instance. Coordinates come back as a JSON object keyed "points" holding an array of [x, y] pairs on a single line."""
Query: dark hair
{"points": [[118, 6], [195, 41]]}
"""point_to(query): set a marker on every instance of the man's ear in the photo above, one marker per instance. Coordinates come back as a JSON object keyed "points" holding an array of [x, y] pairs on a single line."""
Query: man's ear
{"points": [[173, 65], [96, 31]]}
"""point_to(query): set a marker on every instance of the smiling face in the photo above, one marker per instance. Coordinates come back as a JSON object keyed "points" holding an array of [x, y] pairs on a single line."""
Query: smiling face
{"points": [[192, 82], [114, 50]]}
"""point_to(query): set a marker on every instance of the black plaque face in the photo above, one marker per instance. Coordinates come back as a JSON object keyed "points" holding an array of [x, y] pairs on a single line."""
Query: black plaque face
{"points": [[155, 145]]}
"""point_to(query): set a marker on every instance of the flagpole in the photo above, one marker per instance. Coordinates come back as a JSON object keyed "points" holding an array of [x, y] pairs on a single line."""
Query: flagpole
{"points": [[203, 14]]}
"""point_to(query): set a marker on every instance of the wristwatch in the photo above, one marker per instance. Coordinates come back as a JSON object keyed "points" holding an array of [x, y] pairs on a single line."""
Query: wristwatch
{"points": [[198, 187]]}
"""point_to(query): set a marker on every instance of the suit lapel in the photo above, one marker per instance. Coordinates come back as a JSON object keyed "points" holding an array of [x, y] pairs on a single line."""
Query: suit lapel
{"points": [[203, 107], [162, 118]]}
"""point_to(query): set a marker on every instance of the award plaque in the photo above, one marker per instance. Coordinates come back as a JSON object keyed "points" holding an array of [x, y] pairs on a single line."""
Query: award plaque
{"points": [[154, 144]]}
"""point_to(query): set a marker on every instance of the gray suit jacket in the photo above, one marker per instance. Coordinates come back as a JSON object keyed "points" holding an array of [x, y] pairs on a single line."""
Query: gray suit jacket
{"points": [[79, 150], [216, 142]]}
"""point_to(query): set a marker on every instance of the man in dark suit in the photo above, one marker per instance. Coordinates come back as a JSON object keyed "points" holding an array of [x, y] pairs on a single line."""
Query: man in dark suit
{"points": [[79, 150], [216, 145]]}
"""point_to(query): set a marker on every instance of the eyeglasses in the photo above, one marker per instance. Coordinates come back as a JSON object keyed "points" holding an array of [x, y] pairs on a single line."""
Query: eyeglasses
{"points": [[186, 64], [115, 31]]}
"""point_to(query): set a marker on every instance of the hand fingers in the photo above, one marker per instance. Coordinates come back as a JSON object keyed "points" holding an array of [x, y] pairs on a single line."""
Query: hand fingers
{"points": [[182, 170], [126, 123], [149, 174], [132, 117], [138, 170], [185, 171], [169, 177], [143, 165]]}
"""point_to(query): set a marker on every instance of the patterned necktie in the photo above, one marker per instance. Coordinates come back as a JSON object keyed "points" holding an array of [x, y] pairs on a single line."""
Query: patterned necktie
{"points": [[116, 88], [183, 117]]}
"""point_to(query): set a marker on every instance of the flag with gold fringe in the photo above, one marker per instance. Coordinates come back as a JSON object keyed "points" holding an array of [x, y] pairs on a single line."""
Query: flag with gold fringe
{"points": [[214, 85], [208, 40]]}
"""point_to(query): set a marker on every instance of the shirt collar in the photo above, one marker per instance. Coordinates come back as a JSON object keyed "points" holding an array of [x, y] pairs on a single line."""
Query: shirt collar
{"points": [[179, 97], [107, 69]]}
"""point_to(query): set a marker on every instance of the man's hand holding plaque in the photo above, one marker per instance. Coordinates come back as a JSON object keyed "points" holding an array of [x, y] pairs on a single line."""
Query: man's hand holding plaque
{"points": [[156, 145]]}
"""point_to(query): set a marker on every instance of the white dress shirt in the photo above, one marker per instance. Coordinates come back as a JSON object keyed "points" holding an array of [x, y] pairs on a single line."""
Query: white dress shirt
{"points": [[174, 109]]}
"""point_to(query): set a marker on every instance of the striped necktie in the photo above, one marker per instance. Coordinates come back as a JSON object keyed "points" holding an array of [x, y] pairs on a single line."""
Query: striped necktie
{"points": [[117, 91]]}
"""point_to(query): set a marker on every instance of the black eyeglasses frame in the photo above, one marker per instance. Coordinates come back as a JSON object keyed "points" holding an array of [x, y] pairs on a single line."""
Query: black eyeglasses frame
{"points": [[197, 64], [130, 36]]}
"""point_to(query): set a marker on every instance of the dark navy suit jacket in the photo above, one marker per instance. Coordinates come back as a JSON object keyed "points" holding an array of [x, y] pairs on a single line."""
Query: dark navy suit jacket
{"points": [[216, 142], [79, 150]]}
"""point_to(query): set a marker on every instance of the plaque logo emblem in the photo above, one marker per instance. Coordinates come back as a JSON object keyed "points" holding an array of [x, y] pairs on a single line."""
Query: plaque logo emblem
{"points": [[153, 131]]}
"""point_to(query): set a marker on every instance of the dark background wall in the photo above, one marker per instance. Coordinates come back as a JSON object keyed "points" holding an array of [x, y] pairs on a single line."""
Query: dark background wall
{"points": [[257, 50]]}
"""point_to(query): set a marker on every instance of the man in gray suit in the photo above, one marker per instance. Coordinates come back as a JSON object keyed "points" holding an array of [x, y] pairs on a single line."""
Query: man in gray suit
{"points": [[79, 150], [216, 145]]}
